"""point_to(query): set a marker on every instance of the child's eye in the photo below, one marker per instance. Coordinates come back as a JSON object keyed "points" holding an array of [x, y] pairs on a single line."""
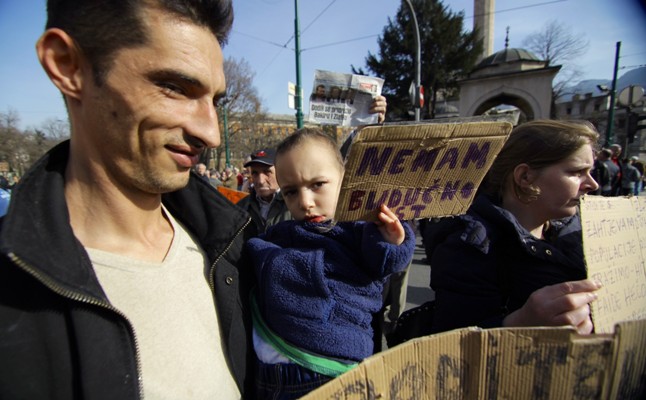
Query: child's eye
{"points": [[288, 193]]}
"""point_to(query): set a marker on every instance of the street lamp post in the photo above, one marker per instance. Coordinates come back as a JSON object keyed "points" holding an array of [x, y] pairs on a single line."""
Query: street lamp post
{"points": [[418, 56], [613, 93], [298, 98]]}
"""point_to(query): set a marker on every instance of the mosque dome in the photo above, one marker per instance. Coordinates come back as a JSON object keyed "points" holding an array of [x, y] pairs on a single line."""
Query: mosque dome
{"points": [[508, 55], [508, 60]]}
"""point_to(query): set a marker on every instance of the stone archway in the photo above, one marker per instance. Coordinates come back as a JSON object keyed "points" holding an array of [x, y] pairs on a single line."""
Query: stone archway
{"points": [[525, 102], [511, 76]]}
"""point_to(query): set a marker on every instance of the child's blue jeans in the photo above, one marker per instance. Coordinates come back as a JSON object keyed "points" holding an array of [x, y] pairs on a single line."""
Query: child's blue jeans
{"points": [[286, 381]]}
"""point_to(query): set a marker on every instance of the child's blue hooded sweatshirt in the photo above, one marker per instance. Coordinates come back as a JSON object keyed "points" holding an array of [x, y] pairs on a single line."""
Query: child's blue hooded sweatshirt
{"points": [[320, 283]]}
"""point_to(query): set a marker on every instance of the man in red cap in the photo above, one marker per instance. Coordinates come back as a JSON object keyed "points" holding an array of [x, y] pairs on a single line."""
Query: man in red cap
{"points": [[265, 204]]}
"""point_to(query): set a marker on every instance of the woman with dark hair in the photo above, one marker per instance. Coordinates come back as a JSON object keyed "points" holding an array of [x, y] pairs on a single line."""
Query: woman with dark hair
{"points": [[516, 257]]}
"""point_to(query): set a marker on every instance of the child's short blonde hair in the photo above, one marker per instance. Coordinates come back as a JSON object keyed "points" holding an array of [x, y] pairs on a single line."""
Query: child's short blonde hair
{"points": [[304, 134]]}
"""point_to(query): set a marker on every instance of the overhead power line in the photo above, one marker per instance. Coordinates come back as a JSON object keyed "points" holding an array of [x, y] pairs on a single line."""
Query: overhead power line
{"points": [[340, 42], [285, 45], [518, 8], [310, 24], [261, 39]]}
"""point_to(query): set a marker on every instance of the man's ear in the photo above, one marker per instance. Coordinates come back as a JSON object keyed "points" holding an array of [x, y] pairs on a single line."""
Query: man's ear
{"points": [[61, 59]]}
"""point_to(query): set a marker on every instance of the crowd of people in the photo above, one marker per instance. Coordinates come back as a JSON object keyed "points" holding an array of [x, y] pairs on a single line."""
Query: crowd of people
{"points": [[618, 176], [125, 274], [230, 177]]}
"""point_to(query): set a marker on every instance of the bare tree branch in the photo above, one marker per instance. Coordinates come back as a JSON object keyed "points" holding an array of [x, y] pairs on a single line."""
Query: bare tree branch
{"points": [[244, 108], [556, 43], [56, 128]]}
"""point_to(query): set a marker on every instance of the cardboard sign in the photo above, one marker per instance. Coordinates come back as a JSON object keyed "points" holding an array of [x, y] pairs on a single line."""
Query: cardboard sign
{"points": [[503, 363], [234, 196], [614, 243], [418, 170]]}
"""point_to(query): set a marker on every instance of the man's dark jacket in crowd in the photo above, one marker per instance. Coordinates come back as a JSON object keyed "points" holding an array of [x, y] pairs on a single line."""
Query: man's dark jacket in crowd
{"points": [[60, 338], [278, 212]]}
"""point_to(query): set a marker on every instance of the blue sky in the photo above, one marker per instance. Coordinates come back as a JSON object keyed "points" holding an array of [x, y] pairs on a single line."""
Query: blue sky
{"points": [[335, 35]]}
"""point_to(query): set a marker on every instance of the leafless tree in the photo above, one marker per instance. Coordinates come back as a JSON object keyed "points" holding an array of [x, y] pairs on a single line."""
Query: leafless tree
{"points": [[56, 129], [18, 148], [243, 106], [556, 44], [9, 119]]}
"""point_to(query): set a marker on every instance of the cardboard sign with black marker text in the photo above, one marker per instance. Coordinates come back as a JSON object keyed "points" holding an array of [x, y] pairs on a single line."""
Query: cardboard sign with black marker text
{"points": [[503, 363], [614, 244], [419, 170]]}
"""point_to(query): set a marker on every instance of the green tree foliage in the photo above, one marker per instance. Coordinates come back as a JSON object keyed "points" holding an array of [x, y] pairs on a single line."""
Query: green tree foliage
{"points": [[448, 54]]}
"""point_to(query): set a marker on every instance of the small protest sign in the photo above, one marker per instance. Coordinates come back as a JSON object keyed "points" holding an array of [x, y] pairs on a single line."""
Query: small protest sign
{"points": [[418, 170], [614, 244], [343, 99]]}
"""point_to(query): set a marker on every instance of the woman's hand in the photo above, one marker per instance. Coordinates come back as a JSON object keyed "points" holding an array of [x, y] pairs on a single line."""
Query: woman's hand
{"points": [[566, 303], [390, 226]]}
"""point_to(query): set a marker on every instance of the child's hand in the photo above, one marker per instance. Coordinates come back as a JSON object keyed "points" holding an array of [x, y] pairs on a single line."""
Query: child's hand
{"points": [[390, 226]]}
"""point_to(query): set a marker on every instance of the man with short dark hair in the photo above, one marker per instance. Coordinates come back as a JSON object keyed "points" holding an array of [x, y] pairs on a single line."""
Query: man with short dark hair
{"points": [[120, 270], [600, 174], [630, 176], [615, 153], [606, 188], [265, 203]]}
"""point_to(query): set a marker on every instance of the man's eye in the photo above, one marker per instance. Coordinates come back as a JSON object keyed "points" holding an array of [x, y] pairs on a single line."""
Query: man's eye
{"points": [[171, 88]]}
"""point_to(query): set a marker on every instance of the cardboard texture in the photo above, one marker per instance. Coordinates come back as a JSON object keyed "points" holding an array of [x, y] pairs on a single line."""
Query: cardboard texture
{"points": [[614, 244], [629, 363], [418, 170], [504, 363]]}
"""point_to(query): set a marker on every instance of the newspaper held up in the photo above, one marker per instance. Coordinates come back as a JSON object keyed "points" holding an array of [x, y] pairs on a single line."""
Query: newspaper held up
{"points": [[343, 99]]}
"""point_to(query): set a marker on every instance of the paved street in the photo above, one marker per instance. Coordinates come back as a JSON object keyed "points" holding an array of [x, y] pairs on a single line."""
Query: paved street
{"points": [[419, 290]]}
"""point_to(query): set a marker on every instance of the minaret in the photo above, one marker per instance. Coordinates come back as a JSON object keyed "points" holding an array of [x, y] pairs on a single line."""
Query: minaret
{"points": [[483, 12]]}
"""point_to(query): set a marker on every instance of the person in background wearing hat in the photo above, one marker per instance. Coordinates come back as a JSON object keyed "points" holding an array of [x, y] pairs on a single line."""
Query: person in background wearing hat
{"points": [[630, 176], [265, 203]]}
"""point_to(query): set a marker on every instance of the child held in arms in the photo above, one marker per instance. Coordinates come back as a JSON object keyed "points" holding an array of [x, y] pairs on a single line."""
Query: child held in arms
{"points": [[319, 280]]}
